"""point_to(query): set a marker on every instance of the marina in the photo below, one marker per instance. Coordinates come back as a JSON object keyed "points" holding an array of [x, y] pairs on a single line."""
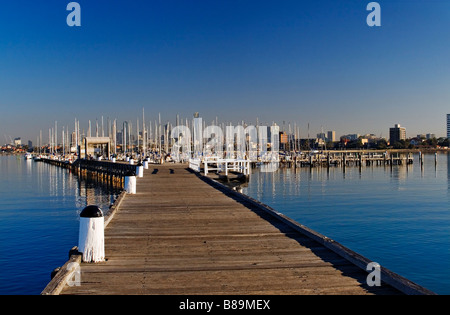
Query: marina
{"points": [[224, 148], [228, 167], [112, 174], [183, 234]]}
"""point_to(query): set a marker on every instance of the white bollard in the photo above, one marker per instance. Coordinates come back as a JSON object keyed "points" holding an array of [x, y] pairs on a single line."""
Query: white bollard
{"points": [[146, 164], [140, 170], [130, 183], [131, 161], [127, 159], [91, 239]]}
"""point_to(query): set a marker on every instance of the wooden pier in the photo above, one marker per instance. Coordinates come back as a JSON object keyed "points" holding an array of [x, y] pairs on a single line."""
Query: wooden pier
{"points": [[348, 158], [185, 234]]}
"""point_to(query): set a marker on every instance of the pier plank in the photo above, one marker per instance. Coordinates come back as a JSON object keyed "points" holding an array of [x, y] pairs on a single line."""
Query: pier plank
{"points": [[180, 235]]}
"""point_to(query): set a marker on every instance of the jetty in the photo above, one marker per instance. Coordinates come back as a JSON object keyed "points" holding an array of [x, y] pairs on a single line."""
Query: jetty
{"points": [[183, 233], [347, 158]]}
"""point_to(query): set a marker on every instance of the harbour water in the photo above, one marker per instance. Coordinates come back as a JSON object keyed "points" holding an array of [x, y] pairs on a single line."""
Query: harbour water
{"points": [[39, 220], [398, 217]]}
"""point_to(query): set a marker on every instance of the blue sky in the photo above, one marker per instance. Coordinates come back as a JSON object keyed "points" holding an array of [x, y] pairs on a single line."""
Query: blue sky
{"points": [[313, 62]]}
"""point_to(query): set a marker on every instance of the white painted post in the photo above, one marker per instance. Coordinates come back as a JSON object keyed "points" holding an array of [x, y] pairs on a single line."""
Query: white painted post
{"points": [[206, 167], [146, 164], [91, 238], [131, 161], [130, 183], [140, 170]]}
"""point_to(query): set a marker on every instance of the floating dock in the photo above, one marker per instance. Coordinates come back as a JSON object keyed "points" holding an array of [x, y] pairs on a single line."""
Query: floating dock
{"points": [[185, 234]]}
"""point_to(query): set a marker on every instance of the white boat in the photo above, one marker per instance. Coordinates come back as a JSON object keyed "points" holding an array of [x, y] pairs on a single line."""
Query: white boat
{"points": [[28, 156]]}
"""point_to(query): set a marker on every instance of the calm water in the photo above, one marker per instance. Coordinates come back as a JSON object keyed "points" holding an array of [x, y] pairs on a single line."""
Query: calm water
{"points": [[39, 220], [398, 217]]}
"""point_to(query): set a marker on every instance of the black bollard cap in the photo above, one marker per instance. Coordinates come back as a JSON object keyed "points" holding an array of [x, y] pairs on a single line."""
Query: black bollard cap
{"points": [[140, 164], [130, 173], [91, 212]]}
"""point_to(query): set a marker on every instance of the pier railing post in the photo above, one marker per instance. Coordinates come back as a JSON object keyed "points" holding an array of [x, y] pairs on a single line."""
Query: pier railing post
{"points": [[91, 239], [130, 182], [146, 164], [140, 170]]}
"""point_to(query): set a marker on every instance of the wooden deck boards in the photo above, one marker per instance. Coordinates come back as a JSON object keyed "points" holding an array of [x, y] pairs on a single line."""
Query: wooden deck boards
{"points": [[180, 235]]}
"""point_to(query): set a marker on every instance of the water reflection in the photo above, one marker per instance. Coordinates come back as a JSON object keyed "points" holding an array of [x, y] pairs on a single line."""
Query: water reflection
{"points": [[28, 167], [448, 170], [83, 190], [91, 191], [399, 176]]}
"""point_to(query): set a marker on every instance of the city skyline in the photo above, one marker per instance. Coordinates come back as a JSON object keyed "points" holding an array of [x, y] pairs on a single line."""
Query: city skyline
{"points": [[112, 128], [286, 126], [316, 64]]}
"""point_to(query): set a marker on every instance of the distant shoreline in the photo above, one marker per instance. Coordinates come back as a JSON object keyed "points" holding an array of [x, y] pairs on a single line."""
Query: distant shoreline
{"points": [[423, 150], [9, 153]]}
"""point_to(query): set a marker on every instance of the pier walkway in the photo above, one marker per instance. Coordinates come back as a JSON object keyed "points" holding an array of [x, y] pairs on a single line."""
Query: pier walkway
{"points": [[183, 234]]}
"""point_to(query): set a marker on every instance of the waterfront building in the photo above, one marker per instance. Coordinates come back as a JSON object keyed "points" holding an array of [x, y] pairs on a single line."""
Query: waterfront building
{"points": [[448, 126], [331, 136], [17, 141], [397, 133]]}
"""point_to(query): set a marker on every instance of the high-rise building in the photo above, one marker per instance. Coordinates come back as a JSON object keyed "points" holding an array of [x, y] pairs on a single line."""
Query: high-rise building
{"points": [[448, 125], [397, 133], [331, 136]]}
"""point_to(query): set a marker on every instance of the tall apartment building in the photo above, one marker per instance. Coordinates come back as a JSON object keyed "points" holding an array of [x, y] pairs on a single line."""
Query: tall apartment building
{"points": [[448, 125], [331, 136], [397, 133]]}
